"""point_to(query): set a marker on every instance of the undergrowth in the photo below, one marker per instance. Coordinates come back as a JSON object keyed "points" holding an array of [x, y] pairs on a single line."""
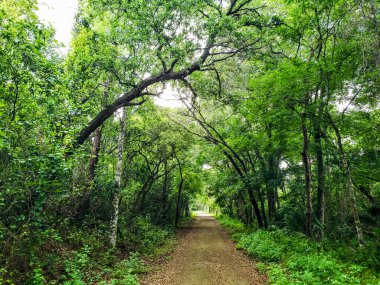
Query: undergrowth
{"points": [[81, 258], [232, 224], [291, 258]]}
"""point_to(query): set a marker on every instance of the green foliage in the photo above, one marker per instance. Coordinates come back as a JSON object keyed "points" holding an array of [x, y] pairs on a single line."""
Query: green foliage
{"points": [[263, 246], [147, 236], [232, 224], [37, 278], [270, 70], [77, 266], [125, 271], [293, 259]]}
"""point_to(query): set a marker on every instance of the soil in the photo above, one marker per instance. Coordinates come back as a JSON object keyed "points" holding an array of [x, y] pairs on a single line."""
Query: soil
{"points": [[206, 256]]}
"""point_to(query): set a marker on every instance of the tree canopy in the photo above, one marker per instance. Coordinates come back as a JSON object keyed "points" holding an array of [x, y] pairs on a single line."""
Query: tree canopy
{"points": [[278, 127]]}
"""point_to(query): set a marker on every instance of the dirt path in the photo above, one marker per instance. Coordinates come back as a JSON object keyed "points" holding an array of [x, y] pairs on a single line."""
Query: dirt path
{"points": [[206, 256]]}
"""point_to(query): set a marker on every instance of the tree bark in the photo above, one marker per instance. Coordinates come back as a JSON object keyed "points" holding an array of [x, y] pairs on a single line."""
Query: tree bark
{"points": [[117, 189], [84, 205], [177, 212], [255, 207], [270, 177], [137, 92], [320, 180], [307, 175], [248, 188], [349, 184], [144, 193], [241, 209], [164, 194], [318, 136], [262, 205], [187, 209]]}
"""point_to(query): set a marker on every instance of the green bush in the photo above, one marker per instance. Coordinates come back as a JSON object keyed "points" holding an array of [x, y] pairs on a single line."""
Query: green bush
{"points": [[133, 265], [262, 246], [148, 236], [294, 259], [77, 266], [232, 224], [126, 270]]}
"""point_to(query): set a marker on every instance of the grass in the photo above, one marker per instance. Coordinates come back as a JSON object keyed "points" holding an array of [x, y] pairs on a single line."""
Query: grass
{"points": [[291, 258], [88, 259], [235, 226]]}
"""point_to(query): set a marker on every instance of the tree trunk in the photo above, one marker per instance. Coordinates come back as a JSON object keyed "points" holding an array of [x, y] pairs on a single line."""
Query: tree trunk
{"points": [[307, 175], [241, 206], [270, 177], [262, 205], [187, 209], [349, 184], [164, 194], [84, 205], [320, 180], [271, 188], [117, 189], [318, 135], [145, 192], [177, 212], [136, 92], [94, 154], [255, 207]]}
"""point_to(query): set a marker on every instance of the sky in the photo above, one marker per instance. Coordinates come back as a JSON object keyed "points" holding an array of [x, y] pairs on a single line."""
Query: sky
{"points": [[60, 14], [168, 98]]}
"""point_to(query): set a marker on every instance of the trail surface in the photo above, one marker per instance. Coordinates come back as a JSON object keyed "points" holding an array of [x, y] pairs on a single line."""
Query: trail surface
{"points": [[206, 256]]}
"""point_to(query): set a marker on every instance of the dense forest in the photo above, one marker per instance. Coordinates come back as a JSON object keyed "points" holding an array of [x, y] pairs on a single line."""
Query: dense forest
{"points": [[276, 130]]}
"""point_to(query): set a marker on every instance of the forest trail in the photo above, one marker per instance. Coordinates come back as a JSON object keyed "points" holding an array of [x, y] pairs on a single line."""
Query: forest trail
{"points": [[206, 256]]}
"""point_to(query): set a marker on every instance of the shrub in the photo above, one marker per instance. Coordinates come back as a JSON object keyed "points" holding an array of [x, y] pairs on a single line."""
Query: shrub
{"points": [[294, 259], [262, 245], [231, 224], [126, 270], [77, 266], [147, 236]]}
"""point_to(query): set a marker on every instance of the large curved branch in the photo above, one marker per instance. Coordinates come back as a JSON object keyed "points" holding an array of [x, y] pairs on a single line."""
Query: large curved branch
{"points": [[136, 92]]}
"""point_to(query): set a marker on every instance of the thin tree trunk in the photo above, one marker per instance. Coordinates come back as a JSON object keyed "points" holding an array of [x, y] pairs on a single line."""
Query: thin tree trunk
{"points": [[270, 175], [117, 189], [252, 198], [187, 209], [255, 207], [145, 193], [177, 212], [84, 205], [307, 175], [318, 135], [321, 182], [241, 209], [262, 205], [349, 184], [94, 154], [164, 196], [271, 188]]}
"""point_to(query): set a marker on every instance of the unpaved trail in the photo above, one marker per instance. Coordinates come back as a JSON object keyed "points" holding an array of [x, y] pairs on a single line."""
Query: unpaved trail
{"points": [[206, 256]]}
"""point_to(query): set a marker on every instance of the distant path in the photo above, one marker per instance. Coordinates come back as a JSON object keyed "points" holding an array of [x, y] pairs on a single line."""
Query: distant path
{"points": [[206, 256]]}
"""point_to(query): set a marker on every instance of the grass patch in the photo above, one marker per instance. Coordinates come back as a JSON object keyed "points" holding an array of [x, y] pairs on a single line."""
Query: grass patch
{"points": [[84, 258], [290, 258], [234, 225]]}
